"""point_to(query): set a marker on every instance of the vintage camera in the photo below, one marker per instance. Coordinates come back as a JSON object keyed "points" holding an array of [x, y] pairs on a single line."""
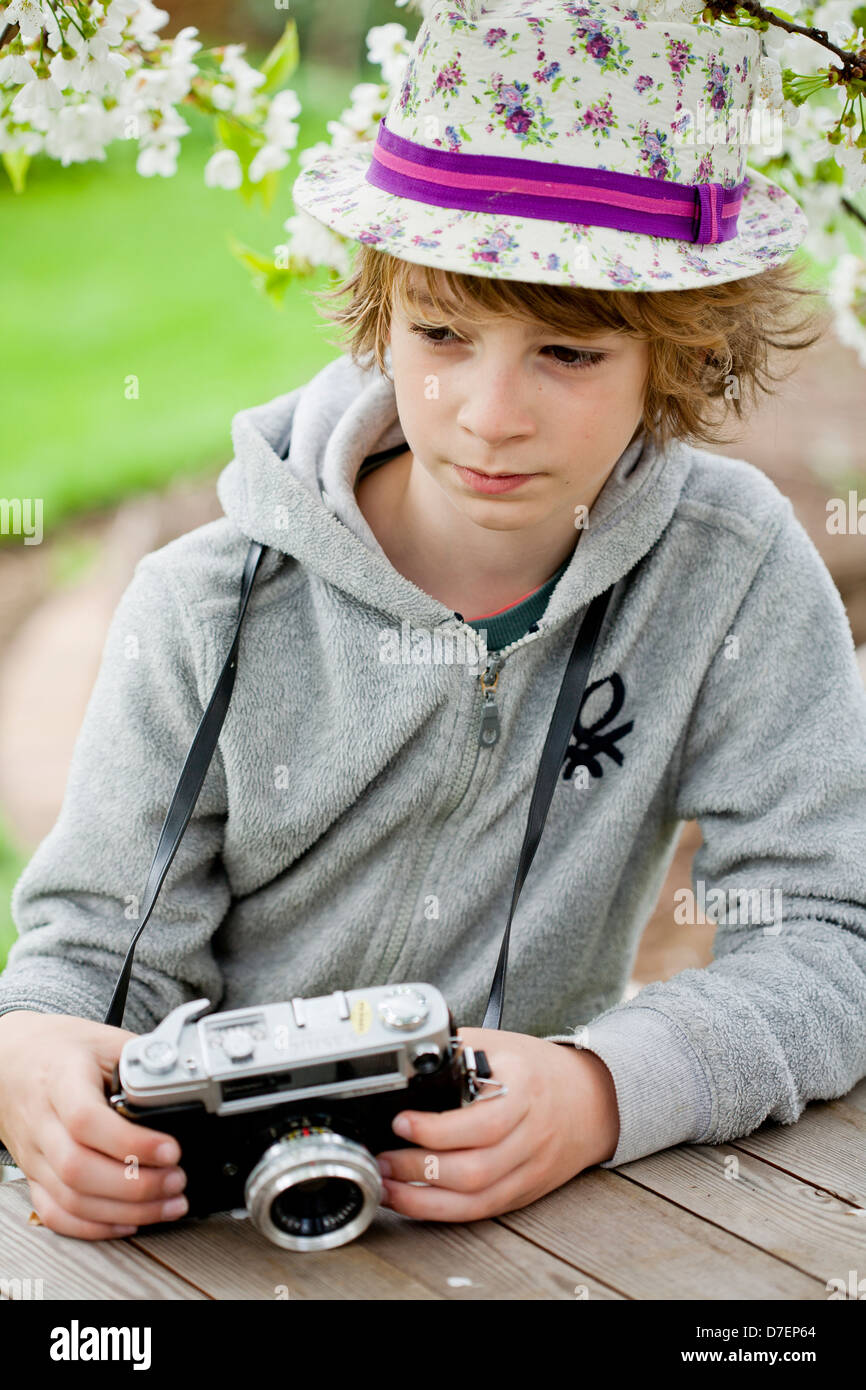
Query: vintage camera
{"points": [[280, 1108]]}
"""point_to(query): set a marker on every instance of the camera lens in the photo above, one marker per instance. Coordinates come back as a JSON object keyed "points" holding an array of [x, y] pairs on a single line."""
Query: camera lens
{"points": [[313, 1189], [316, 1207]]}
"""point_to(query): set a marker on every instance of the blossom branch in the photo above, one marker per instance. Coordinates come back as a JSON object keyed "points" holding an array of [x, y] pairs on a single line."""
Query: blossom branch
{"points": [[853, 64], [855, 212]]}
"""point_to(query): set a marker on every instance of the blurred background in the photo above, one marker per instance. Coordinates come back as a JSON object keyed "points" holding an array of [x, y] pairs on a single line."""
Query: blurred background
{"points": [[108, 275]]}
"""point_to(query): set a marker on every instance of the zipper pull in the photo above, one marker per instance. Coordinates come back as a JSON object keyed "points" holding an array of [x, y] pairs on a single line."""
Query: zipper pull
{"points": [[489, 721], [490, 710]]}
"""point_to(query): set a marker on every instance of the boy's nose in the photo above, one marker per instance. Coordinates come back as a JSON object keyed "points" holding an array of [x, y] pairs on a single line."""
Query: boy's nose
{"points": [[495, 407]]}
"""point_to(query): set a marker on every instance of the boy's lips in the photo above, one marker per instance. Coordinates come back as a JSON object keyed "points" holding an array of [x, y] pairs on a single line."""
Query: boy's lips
{"points": [[491, 482]]}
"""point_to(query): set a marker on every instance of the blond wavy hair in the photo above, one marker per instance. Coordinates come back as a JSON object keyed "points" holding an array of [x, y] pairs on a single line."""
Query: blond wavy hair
{"points": [[709, 348]]}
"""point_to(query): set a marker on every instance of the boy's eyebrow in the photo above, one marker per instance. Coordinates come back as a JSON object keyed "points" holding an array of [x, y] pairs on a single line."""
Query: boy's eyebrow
{"points": [[418, 296]]}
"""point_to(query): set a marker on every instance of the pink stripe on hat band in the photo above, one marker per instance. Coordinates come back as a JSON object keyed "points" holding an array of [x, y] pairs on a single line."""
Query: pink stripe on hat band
{"points": [[680, 207], [701, 213]]}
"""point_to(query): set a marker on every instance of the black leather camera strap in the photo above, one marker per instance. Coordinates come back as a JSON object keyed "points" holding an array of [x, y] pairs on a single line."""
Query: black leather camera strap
{"points": [[552, 754], [204, 743], [189, 785]]}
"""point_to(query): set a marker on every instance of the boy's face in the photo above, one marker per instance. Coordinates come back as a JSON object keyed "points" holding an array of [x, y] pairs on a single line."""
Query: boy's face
{"points": [[500, 398]]}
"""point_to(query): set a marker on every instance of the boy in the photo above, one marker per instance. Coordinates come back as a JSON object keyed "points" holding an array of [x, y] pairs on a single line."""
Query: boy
{"points": [[356, 827]]}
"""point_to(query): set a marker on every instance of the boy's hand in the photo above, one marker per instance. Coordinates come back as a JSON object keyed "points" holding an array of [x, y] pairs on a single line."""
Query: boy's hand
{"points": [[559, 1116], [92, 1173]]}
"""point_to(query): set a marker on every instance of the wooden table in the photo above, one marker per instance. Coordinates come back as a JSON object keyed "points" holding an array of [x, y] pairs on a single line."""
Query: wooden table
{"points": [[775, 1215]]}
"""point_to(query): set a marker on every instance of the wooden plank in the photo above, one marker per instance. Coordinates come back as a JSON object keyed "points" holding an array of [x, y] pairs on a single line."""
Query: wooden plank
{"points": [[825, 1148], [68, 1268], [761, 1203], [395, 1258], [500, 1263], [645, 1247], [856, 1096], [227, 1257]]}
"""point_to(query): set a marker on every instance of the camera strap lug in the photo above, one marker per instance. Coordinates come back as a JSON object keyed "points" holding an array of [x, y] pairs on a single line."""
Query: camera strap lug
{"points": [[500, 1089], [479, 1073]]}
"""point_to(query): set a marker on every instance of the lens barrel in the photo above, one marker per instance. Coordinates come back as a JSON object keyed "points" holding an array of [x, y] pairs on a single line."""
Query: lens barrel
{"points": [[313, 1190]]}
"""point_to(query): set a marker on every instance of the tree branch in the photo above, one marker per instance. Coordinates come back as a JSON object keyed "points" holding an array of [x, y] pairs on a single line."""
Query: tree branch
{"points": [[855, 212], [853, 64]]}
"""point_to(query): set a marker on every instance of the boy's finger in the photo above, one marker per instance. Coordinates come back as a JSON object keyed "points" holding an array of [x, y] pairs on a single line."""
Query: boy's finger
{"points": [[56, 1219], [471, 1127], [86, 1115], [435, 1203], [462, 1170], [88, 1171], [104, 1210]]}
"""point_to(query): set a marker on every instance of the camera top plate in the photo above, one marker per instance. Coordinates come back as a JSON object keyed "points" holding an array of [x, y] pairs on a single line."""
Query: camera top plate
{"points": [[346, 1043]]}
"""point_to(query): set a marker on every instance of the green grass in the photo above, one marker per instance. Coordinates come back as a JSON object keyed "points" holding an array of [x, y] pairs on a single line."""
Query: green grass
{"points": [[110, 275]]}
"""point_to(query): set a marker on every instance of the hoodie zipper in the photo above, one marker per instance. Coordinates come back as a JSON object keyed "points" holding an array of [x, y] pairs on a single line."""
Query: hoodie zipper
{"points": [[489, 680], [484, 733]]}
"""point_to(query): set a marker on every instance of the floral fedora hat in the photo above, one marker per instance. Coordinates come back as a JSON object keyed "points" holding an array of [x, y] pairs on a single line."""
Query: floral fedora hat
{"points": [[572, 142]]}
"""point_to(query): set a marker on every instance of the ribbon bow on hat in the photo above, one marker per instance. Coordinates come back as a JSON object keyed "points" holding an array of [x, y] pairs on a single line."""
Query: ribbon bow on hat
{"points": [[572, 142]]}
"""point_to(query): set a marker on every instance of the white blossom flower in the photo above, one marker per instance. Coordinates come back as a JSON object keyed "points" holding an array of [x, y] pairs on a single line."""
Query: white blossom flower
{"points": [[265, 160], [388, 48], [158, 158], [846, 293], [70, 72], [770, 90], [145, 21], [95, 68], [161, 125], [774, 38], [369, 102], [835, 17], [360, 121], [223, 170], [15, 68], [30, 141], [222, 96], [245, 79], [810, 145], [78, 133], [124, 7], [851, 160], [183, 46], [311, 241], [113, 21], [166, 85], [36, 99], [280, 127], [31, 16], [820, 203]]}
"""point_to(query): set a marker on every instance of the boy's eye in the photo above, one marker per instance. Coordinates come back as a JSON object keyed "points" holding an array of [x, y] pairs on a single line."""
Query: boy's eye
{"points": [[575, 357], [579, 357], [429, 333]]}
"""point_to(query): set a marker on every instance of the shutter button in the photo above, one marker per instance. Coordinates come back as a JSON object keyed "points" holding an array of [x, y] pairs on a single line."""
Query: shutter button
{"points": [[238, 1044], [404, 1008], [158, 1056]]}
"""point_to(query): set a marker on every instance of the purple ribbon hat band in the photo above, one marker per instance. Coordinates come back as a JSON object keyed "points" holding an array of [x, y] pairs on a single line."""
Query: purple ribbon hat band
{"points": [[703, 213]]}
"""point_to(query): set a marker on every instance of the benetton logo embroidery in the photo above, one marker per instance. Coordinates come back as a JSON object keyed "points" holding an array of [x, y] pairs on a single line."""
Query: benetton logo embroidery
{"points": [[586, 743]]}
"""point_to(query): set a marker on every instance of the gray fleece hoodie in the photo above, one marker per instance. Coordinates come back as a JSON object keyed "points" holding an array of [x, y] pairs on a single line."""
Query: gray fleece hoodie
{"points": [[352, 829]]}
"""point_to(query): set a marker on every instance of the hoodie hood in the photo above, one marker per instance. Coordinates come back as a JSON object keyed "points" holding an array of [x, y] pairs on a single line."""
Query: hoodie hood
{"points": [[304, 504]]}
